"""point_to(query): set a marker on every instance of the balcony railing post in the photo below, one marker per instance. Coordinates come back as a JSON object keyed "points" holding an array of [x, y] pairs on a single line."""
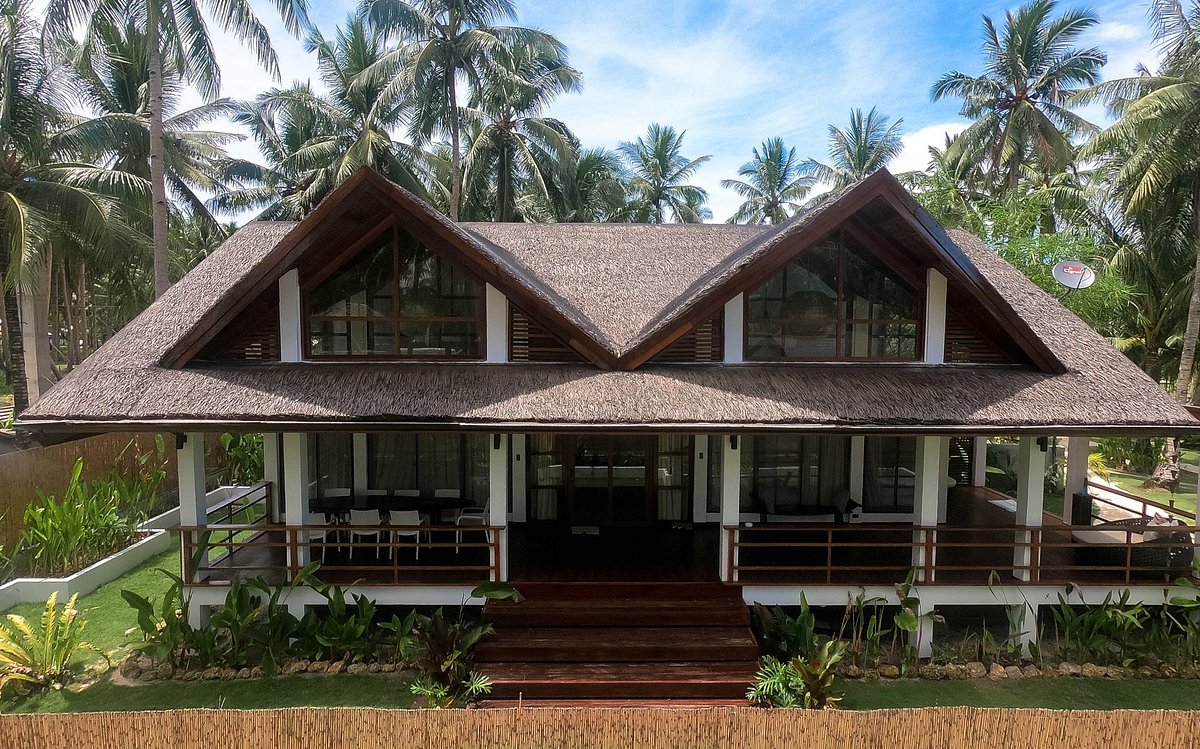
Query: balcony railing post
{"points": [[930, 545], [1035, 555], [293, 541], [829, 556]]}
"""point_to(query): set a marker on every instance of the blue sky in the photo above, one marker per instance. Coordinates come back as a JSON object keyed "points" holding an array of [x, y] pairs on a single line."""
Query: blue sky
{"points": [[734, 73]]}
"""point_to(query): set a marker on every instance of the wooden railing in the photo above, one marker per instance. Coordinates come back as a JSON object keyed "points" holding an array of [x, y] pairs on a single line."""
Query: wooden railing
{"points": [[1144, 504], [399, 555], [864, 554]]}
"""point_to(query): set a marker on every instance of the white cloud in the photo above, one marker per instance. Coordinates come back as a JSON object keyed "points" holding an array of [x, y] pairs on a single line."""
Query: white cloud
{"points": [[915, 156]]}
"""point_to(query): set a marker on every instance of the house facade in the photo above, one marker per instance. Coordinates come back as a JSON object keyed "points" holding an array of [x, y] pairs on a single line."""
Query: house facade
{"points": [[801, 408]]}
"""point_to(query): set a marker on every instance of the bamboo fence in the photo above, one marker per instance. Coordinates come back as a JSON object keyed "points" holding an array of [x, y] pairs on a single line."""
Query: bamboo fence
{"points": [[599, 728]]}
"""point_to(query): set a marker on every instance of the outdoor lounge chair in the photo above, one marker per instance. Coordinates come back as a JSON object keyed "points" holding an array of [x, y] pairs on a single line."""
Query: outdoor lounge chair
{"points": [[1153, 551], [359, 522], [406, 518]]}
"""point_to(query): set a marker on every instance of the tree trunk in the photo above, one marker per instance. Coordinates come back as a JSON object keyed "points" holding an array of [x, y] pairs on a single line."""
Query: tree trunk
{"points": [[504, 194], [158, 169], [1166, 474], [34, 304], [1187, 359], [456, 176], [15, 369]]}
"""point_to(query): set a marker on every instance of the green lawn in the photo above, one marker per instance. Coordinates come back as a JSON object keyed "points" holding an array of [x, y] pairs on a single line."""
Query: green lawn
{"points": [[1185, 498], [108, 616], [1066, 694], [284, 691]]}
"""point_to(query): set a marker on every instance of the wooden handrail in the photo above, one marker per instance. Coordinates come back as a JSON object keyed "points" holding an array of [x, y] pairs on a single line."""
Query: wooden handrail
{"points": [[1144, 501]]}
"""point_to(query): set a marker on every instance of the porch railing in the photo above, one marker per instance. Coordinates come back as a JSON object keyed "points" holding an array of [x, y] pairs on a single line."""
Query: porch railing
{"points": [[864, 554], [1144, 505], [397, 555]]}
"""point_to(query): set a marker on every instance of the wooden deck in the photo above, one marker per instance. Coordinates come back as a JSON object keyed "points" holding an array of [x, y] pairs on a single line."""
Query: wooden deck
{"points": [[974, 547]]}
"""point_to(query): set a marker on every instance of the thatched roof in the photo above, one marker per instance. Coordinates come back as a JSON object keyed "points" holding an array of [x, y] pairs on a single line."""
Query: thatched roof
{"points": [[624, 285]]}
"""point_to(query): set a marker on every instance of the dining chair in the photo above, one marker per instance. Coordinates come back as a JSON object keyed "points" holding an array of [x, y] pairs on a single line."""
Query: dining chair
{"points": [[398, 518], [319, 530], [360, 520], [470, 516]]}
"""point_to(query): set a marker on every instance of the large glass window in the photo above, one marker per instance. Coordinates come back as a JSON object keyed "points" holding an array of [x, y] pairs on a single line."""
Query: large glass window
{"points": [[890, 474], [398, 298], [785, 474], [834, 302], [330, 464], [546, 482], [429, 464]]}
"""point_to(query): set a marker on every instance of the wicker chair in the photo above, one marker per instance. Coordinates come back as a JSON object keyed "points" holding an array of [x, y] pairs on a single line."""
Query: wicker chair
{"points": [[1170, 552]]}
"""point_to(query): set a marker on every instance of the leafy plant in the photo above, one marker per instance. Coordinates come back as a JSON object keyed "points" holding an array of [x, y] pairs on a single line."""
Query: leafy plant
{"points": [[242, 464], [799, 682], [443, 650], [38, 657], [1103, 634], [784, 636], [862, 629], [166, 634], [439, 695], [343, 632], [910, 618]]}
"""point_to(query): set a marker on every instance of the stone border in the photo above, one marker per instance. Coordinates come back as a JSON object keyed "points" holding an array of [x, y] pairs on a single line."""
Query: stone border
{"points": [[976, 670]]}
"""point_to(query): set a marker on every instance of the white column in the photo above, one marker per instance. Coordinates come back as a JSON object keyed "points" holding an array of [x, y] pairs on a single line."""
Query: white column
{"points": [[731, 496], [193, 507], [699, 478], [295, 484], [1031, 482], [359, 456], [498, 495], [935, 317], [979, 461], [291, 334], [1078, 449], [273, 472], [520, 495], [734, 330], [496, 308], [927, 486], [858, 455], [943, 476]]}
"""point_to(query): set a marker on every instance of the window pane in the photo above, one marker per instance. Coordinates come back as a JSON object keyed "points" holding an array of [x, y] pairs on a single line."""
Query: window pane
{"points": [[790, 474], [331, 465], [398, 298], [832, 302], [889, 480]]}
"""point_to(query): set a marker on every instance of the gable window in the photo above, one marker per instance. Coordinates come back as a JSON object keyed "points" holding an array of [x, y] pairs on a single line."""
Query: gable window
{"points": [[398, 299], [834, 302]]}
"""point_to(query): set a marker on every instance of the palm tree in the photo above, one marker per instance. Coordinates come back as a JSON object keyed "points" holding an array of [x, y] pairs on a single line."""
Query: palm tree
{"points": [[659, 175], [46, 198], [314, 142], [513, 142], [1019, 106], [864, 147], [773, 185], [950, 188], [589, 186], [177, 38], [1156, 148], [113, 72], [281, 121], [444, 44]]}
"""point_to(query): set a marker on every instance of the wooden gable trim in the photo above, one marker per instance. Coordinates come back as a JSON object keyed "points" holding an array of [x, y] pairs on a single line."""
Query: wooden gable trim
{"points": [[758, 272], [422, 223], [882, 185]]}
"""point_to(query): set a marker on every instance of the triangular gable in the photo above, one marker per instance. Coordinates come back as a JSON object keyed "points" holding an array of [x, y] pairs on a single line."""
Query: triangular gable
{"points": [[858, 210], [365, 205]]}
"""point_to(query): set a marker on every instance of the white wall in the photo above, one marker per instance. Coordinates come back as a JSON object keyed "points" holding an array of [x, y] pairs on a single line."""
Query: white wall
{"points": [[291, 336], [497, 325], [935, 318], [734, 330]]}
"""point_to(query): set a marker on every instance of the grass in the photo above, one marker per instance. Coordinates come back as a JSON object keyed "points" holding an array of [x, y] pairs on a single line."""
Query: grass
{"points": [[1061, 694], [1184, 499], [108, 616], [343, 690]]}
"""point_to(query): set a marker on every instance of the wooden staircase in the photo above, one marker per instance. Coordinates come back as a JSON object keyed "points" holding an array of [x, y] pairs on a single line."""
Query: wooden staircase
{"points": [[688, 642]]}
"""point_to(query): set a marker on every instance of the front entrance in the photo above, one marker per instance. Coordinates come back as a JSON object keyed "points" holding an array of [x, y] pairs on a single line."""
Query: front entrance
{"points": [[609, 485]]}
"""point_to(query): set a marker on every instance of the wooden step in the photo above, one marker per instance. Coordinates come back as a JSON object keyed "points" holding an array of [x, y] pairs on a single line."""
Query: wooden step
{"points": [[630, 644], [636, 591], [616, 613], [626, 681]]}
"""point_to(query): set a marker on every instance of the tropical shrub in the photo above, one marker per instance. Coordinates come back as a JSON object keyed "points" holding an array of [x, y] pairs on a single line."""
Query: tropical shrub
{"points": [[1108, 633], [342, 632], [61, 535], [799, 682], [38, 656], [784, 636], [1136, 454], [242, 464], [443, 650], [862, 630]]}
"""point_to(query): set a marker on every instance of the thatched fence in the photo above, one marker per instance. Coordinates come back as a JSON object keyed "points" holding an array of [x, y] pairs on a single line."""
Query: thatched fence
{"points": [[595, 728], [24, 472]]}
